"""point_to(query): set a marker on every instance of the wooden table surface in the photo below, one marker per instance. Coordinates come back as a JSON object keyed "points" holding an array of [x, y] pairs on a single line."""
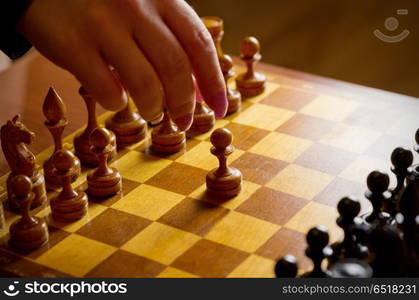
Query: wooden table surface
{"points": [[24, 85]]}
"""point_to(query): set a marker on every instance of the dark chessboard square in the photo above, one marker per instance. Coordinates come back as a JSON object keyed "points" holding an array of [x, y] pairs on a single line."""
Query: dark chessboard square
{"points": [[194, 216], [288, 98], [272, 206], [245, 137], [286, 241], [340, 188], [307, 127], [209, 259], [127, 186], [375, 117], [326, 159], [124, 264], [179, 178], [12, 265], [384, 146], [257, 168], [113, 227]]}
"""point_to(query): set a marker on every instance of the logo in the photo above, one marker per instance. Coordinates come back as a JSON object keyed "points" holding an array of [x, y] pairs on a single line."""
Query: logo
{"points": [[11, 290], [391, 24]]}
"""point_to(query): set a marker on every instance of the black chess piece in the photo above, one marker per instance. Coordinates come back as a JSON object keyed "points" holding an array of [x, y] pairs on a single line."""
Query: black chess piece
{"points": [[350, 268], [402, 159], [317, 250], [286, 267], [389, 252], [348, 208], [417, 141], [378, 194]]}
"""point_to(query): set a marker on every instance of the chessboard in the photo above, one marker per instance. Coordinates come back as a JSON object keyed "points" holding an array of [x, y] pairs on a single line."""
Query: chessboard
{"points": [[301, 146]]}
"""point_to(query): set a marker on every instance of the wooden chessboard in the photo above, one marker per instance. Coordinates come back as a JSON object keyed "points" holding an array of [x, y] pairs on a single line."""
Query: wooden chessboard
{"points": [[301, 146]]}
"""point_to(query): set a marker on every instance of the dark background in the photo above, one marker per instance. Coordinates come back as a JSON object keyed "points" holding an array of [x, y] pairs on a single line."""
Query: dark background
{"points": [[330, 38]]}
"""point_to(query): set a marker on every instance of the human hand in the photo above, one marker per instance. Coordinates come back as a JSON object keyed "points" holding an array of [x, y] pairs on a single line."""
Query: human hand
{"points": [[154, 46]]}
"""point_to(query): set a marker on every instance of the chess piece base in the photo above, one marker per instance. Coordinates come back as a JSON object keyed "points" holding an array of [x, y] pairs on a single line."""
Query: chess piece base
{"points": [[202, 123], [104, 186], [69, 210], [234, 101], [224, 187], [127, 133], [251, 87], [168, 143], [38, 188], [82, 150], [29, 238], [52, 182]]}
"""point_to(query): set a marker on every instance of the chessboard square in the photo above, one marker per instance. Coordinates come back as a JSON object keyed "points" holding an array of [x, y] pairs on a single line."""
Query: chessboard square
{"points": [[300, 182], [359, 169], [269, 88], [218, 124], [373, 116], [245, 136], [201, 157], [254, 267], [406, 126], [325, 159], [350, 138], [330, 108], [171, 272], [385, 145], [306, 127], [314, 214], [122, 264], [286, 241], [194, 216], [93, 211], [76, 255], [264, 116], [139, 166], [148, 202], [242, 232], [161, 243], [257, 168], [209, 259], [281, 146], [272, 206], [248, 188], [340, 188], [289, 98], [179, 178], [113, 227]]}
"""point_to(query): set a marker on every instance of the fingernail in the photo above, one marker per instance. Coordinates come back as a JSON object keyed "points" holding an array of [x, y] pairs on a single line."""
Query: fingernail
{"points": [[184, 122], [220, 104]]}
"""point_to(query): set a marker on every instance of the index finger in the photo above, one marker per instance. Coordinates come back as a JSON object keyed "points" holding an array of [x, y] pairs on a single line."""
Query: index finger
{"points": [[198, 45]]}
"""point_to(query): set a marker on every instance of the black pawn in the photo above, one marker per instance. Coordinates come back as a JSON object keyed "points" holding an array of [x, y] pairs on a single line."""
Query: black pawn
{"points": [[377, 194], [360, 235], [417, 141], [317, 250], [286, 267], [401, 159], [348, 208]]}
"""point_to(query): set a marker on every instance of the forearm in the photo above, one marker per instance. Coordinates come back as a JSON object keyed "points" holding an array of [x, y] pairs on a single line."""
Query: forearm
{"points": [[11, 42]]}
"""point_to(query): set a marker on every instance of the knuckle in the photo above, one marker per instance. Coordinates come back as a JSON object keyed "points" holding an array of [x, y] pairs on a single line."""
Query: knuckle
{"points": [[202, 42]]}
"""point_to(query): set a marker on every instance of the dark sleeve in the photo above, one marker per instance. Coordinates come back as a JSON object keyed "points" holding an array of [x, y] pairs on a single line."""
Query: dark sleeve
{"points": [[11, 42]]}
